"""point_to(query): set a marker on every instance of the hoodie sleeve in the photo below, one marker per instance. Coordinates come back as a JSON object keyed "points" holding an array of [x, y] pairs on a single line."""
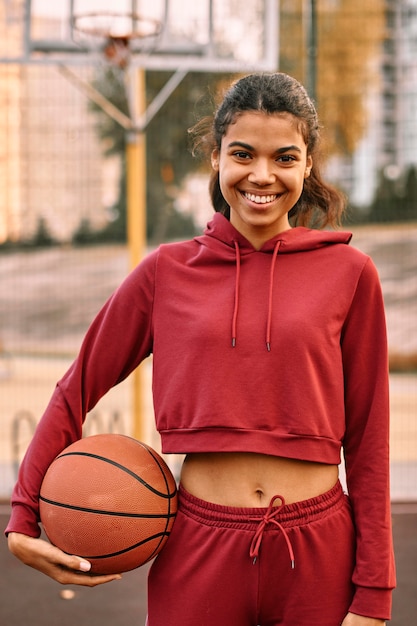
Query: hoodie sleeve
{"points": [[366, 445], [118, 339]]}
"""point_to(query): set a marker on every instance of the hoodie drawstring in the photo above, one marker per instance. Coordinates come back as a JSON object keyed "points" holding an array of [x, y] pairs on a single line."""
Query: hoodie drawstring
{"points": [[270, 295], [237, 283], [271, 290], [269, 518]]}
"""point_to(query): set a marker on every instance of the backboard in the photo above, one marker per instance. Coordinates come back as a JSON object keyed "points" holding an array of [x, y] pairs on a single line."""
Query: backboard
{"points": [[196, 35]]}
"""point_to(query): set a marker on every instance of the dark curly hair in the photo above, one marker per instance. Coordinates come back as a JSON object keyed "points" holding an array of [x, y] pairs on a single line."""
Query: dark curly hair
{"points": [[320, 204]]}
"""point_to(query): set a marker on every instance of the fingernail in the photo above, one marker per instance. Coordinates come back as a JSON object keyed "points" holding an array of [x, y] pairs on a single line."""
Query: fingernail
{"points": [[85, 566]]}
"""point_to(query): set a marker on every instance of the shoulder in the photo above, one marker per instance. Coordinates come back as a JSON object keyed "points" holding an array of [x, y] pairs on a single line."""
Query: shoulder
{"points": [[352, 254], [178, 249], [357, 265], [159, 261], [360, 260], [170, 255], [165, 251]]}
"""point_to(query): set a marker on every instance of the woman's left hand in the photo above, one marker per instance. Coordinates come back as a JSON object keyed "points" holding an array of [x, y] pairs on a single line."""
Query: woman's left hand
{"points": [[352, 619]]}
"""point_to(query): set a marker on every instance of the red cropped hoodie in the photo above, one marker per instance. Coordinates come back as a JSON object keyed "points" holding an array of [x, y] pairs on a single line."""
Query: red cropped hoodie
{"points": [[280, 351]]}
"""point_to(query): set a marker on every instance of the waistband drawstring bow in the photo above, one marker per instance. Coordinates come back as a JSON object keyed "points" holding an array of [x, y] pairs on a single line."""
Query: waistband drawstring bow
{"points": [[269, 518]]}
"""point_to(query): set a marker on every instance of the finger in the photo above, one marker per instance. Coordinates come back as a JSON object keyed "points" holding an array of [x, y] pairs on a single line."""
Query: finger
{"points": [[69, 577], [72, 569], [72, 562]]}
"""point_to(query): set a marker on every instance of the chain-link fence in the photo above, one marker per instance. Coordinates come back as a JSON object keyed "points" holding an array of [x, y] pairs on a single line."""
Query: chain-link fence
{"points": [[58, 187]]}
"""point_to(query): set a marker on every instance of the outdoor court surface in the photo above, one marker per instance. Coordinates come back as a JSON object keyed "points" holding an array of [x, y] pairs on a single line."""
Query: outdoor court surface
{"points": [[28, 598]]}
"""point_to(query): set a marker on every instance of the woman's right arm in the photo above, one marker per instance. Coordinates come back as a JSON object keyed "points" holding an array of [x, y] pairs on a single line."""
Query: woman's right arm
{"points": [[119, 338], [64, 568]]}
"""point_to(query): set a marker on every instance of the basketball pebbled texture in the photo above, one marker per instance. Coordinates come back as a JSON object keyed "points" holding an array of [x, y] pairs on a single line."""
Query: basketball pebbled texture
{"points": [[110, 499]]}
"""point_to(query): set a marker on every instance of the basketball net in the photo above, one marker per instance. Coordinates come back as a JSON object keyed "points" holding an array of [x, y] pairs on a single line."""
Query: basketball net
{"points": [[122, 34], [117, 52]]}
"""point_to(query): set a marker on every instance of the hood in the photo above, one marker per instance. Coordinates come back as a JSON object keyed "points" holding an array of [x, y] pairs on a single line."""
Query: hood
{"points": [[221, 236]]}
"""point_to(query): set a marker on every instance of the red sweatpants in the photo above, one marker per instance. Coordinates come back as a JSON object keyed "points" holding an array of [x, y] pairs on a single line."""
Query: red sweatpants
{"points": [[227, 566]]}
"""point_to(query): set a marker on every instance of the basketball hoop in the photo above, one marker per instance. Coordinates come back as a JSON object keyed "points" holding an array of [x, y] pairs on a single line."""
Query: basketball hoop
{"points": [[116, 35]]}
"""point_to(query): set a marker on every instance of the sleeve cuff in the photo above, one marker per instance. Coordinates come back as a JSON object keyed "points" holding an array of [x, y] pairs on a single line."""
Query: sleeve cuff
{"points": [[375, 603], [20, 522]]}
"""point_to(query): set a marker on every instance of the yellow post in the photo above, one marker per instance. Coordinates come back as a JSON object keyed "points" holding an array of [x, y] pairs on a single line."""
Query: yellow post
{"points": [[136, 196], [136, 224]]}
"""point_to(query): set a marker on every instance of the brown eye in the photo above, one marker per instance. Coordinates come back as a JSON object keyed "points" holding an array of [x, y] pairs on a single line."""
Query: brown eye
{"points": [[286, 158]]}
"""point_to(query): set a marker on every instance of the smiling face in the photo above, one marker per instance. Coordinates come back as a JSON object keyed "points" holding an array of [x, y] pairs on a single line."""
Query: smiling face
{"points": [[262, 164]]}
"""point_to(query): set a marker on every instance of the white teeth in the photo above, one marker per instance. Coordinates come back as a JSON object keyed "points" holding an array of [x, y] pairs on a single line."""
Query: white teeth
{"points": [[260, 199]]}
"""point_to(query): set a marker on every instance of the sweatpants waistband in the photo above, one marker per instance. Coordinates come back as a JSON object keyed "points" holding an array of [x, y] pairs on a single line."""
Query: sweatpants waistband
{"points": [[287, 515]]}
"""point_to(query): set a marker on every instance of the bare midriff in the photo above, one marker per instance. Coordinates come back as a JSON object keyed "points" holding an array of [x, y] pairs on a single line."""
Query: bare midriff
{"points": [[243, 479]]}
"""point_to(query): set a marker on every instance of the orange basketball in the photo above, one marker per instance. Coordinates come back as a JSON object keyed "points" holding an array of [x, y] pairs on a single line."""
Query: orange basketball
{"points": [[110, 499]]}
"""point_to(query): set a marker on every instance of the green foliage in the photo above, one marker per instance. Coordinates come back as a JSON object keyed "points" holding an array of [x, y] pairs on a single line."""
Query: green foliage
{"points": [[395, 200], [84, 234], [42, 237], [410, 196]]}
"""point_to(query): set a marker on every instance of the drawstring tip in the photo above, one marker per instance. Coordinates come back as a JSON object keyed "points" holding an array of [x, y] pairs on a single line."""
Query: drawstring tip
{"points": [[233, 342], [292, 564], [254, 561], [268, 346]]}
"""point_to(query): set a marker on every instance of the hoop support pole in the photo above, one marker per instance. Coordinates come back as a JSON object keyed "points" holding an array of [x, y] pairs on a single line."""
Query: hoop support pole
{"points": [[158, 102], [136, 224], [96, 97]]}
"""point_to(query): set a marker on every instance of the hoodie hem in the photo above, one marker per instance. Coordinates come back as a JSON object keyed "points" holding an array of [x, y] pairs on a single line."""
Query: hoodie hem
{"points": [[303, 447]]}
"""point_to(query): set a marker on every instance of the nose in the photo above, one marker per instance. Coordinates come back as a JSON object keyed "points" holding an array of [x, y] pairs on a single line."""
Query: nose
{"points": [[261, 172]]}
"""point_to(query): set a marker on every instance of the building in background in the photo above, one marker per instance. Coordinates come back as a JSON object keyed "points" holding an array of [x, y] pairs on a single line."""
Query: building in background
{"points": [[52, 168]]}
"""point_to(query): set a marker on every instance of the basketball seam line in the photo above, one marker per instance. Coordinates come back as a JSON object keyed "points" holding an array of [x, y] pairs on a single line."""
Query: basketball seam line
{"points": [[123, 468], [157, 461], [132, 547], [104, 512]]}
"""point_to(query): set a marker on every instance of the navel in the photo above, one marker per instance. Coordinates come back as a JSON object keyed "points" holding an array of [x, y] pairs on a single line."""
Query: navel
{"points": [[260, 494]]}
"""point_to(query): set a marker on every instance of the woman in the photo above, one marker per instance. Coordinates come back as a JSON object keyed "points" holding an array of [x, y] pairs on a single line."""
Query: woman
{"points": [[269, 355]]}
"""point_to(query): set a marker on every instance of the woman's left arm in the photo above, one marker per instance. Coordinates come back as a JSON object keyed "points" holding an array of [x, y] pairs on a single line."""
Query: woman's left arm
{"points": [[366, 448]]}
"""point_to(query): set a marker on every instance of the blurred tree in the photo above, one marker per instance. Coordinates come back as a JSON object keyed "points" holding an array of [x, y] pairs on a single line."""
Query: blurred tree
{"points": [[395, 199], [84, 234], [387, 202], [42, 237], [349, 33], [409, 207], [169, 159]]}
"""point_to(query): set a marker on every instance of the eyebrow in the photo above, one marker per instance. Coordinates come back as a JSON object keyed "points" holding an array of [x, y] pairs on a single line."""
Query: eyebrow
{"points": [[247, 146]]}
